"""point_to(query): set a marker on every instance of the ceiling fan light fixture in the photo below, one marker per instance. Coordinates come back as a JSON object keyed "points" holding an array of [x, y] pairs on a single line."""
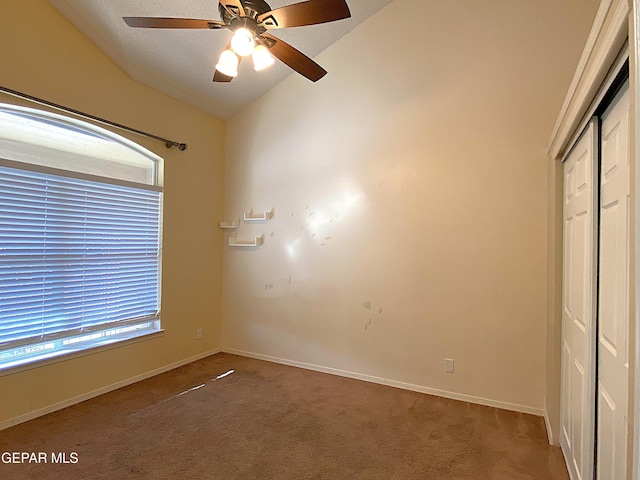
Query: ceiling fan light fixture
{"points": [[261, 58], [228, 63], [243, 42]]}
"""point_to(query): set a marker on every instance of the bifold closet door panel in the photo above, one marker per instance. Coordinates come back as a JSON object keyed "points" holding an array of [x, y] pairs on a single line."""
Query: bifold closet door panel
{"points": [[613, 291], [577, 413]]}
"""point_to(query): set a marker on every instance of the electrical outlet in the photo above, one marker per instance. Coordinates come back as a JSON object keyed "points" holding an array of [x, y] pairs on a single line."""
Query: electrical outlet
{"points": [[199, 334], [448, 365]]}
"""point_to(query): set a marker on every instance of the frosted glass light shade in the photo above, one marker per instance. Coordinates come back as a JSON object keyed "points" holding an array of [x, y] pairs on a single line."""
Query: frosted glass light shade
{"points": [[242, 42], [228, 63], [261, 58]]}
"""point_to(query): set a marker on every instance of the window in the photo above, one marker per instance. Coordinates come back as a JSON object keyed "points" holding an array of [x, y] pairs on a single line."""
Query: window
{"points": [[80, 231]]}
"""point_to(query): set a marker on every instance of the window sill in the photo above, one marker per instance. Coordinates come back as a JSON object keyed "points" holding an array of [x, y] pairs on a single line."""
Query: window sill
{"points": [[64, 356]]}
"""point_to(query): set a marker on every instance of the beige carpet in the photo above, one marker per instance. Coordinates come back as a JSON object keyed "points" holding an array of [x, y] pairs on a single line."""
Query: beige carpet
{"points": [[268, 421]]}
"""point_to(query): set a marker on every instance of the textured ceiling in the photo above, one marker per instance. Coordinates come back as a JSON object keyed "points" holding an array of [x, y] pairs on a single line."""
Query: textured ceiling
{"points": [[181, 63]]}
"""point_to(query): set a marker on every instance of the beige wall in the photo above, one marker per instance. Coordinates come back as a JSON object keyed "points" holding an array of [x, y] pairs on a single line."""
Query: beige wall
{"points": [[410, 195], [44, 55]]}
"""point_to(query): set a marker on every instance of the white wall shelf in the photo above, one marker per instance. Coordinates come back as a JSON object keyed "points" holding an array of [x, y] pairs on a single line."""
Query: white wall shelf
{"points": [[258, 217], [230, 225], [256, 242]]}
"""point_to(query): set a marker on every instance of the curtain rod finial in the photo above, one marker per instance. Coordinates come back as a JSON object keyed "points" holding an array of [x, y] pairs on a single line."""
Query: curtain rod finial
{"points": [[181, 146]]}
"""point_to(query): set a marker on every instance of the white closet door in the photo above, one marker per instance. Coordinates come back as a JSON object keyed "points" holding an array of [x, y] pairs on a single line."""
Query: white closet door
{"points": [[577, 413], [613, 287]]}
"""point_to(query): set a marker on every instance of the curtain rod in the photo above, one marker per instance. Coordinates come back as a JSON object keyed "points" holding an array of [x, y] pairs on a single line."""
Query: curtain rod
{"points": [[168, 143]]}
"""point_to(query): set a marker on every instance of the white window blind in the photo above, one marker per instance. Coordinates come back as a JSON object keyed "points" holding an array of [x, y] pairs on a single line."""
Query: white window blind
{"points": [[79, 260]]}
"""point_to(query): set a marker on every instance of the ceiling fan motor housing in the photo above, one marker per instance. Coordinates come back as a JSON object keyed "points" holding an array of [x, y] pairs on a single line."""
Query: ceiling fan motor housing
{"points": [[252, 9]]}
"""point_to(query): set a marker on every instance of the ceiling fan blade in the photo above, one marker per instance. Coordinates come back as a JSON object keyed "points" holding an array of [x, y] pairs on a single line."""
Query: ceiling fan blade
{"points": [[230, 5], [300, 14], [221, 77], [151, 22], [293, 58]]}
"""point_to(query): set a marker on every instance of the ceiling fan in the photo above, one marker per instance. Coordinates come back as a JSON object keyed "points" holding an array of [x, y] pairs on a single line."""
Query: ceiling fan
{"points": [[250, 21]]}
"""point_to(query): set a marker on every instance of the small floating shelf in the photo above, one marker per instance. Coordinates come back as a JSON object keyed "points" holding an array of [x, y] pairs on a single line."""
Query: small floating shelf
{"points": [[257, 217], [256, 242], [230, 225]]}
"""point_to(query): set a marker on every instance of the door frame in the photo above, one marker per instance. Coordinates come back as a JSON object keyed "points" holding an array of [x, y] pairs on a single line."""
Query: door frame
{"points": [[615, 23]]}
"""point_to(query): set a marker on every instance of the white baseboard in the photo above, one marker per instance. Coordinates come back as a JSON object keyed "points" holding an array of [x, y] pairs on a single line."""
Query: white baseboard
{"points": [[109, 388], [393, 383], [547, 424], [343, 373]]}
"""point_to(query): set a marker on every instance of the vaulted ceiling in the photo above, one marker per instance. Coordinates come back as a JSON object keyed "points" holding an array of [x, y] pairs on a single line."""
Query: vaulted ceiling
{"points": [[181, 63]]}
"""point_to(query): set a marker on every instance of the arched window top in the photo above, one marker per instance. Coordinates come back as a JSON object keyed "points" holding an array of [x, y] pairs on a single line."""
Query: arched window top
{"points": [[50, 140]]}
